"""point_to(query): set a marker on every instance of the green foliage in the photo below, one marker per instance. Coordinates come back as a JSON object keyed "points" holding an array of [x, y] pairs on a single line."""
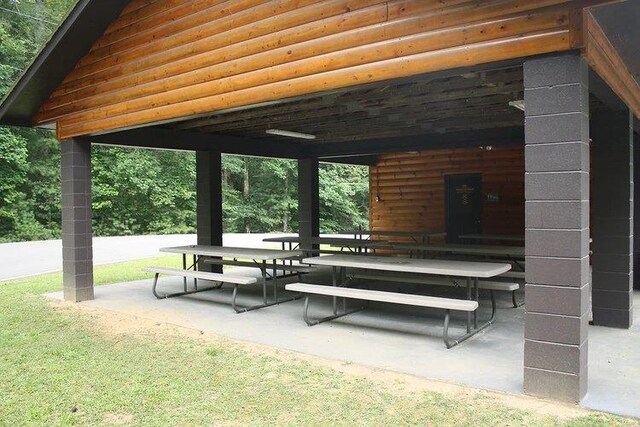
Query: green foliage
{"points": [[259, 194], [270, 200], [29, 159], [139, 191], [344, 198], [13, 175], [25, 26]]}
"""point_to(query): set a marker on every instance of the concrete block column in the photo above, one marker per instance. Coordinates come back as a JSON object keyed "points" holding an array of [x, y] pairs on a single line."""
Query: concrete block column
{"points": [[308, 201], [209, 202], [556, 226], [612, 222], [636, 212], [77, 230]]}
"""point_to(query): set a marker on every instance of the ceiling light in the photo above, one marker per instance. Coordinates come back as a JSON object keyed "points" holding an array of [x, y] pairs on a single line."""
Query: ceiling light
{"points": [[290, 134], [519, 104]]}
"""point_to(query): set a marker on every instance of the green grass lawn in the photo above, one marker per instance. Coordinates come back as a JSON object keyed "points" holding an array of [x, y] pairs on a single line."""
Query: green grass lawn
{"points": [[58, 368]]}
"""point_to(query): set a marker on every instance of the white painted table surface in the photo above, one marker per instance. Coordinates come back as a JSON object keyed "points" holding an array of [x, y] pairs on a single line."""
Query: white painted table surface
{"points": [[231, 252], [413, 265], [396, 233], [336, 241], [516, 251]]}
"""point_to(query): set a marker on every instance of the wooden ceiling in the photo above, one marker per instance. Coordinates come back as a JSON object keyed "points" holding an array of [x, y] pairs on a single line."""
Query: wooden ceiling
{"points": [[416, 106]]}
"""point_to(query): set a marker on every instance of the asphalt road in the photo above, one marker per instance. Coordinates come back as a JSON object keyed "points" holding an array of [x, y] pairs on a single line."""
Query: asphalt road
{"points": [[30, 258]]}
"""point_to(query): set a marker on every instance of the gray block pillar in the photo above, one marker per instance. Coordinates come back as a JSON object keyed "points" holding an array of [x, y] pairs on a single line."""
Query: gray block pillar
{"points": [[77, 231], [612, 222], [636, 212], [556, 226], [308, 201], [209, 202]]}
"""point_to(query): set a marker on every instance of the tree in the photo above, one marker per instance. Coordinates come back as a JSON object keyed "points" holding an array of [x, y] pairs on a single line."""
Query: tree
{"points": [[344, 197], [138, 191]]}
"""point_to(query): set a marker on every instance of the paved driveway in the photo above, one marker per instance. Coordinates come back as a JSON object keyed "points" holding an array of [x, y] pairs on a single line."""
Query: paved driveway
{"points": [[30, 258]]}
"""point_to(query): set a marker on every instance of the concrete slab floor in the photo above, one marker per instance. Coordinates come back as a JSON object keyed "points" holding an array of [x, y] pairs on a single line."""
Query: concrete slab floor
{"points": [[391, 337]]}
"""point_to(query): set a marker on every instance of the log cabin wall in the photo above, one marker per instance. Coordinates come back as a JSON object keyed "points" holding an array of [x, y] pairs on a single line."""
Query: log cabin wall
{"points": [[407, 190], [166, 60]]}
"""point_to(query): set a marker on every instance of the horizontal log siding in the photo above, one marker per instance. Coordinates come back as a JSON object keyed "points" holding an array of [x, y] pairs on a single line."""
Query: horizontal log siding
{"points": [[605, 60], [169, 59], [407, 190]]}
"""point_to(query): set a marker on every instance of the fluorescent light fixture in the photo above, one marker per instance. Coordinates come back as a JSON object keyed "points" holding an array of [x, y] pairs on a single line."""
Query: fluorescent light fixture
{"points": [[290, 134], [519, 104]]}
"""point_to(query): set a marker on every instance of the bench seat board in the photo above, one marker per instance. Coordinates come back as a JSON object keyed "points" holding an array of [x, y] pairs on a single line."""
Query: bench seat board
{"points": [[383, 296], [204, 275]]}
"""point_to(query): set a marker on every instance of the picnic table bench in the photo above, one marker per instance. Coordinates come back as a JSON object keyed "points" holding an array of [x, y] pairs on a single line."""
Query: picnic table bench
{"points": [[494, 285], [468, 271], [256, 258], [194, 274], [447, 304]]}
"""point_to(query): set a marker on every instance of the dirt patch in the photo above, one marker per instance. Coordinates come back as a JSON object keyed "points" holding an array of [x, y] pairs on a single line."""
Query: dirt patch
{"points": [[114, 324], [117, 419]]}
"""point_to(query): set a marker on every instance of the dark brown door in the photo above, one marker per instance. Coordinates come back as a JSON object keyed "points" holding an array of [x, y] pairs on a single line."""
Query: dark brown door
{"points": [[463, 201]]}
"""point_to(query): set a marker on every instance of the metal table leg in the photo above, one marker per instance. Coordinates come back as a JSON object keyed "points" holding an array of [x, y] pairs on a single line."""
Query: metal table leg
{"points": [[263, 269], [275, 281], [184, 267], [265, 301], [195, 268], [468, 297], [343, 281], [334, 282], [477, 293]]}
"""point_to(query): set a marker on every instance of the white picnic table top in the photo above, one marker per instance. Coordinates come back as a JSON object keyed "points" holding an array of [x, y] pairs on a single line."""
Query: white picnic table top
{"points": [[413, 265], [488, 250], [334, 241], [231, 252], [396, 233], [496, 237]]}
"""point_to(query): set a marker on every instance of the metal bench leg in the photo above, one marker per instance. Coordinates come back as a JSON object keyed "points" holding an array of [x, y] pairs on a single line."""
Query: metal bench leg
{"points": [[184, 267], [242, 309], [312, 322], [447, 318], [178, 294], [516, 304]]}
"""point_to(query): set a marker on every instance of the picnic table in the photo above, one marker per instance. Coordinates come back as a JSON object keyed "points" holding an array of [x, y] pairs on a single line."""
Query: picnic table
{"points": [[354, 245], [262, 259], [470, 271], [416, 236], [509, 252]]}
